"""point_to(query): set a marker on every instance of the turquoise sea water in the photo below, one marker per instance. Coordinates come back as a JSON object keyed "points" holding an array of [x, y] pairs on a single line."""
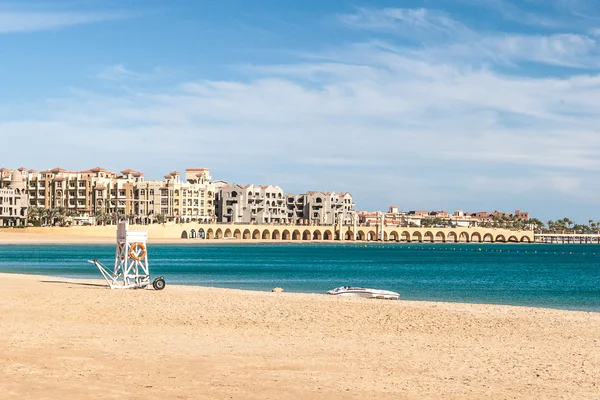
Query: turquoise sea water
{"points": [[556, 276]]}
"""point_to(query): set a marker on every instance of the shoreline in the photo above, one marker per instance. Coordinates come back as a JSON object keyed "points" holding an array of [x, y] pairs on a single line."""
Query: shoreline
{"points": [[102, 282], [71, 337]]}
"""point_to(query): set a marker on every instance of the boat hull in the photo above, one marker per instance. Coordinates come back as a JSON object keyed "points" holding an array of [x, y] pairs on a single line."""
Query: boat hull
{"points": [[365, 293]]}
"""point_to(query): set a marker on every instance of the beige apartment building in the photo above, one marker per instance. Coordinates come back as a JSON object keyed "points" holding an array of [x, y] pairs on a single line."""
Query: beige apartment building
{"points": [[96, 191], [321, 208], [83, 193], [13, 198], [177, 200]]}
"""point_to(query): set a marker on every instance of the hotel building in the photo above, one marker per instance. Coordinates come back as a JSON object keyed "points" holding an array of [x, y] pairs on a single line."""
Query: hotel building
{"points": [[320, 208], [251, 204], [187, 201], [13, 198], [97, 191]]}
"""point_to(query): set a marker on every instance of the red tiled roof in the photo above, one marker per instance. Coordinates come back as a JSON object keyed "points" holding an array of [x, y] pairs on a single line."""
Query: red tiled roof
{"points": [[22, 169], [196, 169], [98, 169], [132, 172]]}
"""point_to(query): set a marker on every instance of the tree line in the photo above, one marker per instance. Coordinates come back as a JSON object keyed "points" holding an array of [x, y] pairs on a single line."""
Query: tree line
{"points": [[513, 222]]}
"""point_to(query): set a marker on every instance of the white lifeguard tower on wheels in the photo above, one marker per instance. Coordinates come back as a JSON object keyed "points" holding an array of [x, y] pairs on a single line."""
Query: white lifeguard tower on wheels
{"points": [[131, 262]]}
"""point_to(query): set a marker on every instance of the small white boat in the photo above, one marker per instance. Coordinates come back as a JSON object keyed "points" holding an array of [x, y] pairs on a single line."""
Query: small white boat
{"points": [[353, 291]]}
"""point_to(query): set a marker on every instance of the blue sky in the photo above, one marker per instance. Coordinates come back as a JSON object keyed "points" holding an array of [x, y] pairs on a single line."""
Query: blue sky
{"points": [[439, 104]]}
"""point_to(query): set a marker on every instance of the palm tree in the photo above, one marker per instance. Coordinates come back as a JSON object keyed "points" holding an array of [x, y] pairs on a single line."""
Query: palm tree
{"points": [[101, 217], [34, 214], [160, 218], [61, 214], [50, 214], [131, 217]]}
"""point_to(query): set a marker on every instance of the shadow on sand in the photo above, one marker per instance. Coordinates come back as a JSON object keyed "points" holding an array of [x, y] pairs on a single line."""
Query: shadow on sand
{"points": [[99, 285]]}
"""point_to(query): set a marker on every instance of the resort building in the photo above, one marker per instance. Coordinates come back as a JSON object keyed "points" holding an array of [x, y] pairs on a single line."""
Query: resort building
{"points": [[83, 194], [177, 200], [13, 198], [251, 204], [98, 193], [321, 208]]}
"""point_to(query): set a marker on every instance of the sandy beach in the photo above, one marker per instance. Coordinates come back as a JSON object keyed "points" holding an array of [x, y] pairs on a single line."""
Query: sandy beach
{"points": [[78, 339], [91, 235]]}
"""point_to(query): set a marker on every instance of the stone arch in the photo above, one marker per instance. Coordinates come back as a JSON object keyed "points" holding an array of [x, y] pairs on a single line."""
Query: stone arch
{"points": [[464, 237], [361, 235], [452, 237], [488, 238], [237, 234], [184, 235], [513, 239], [276, 235], [417, 237], [219, 234], [227, 233], [192, 234], [525, 239], [247, 235], [201, 233], [371, 236], [405, 236], [210, 234], [285, 235], [266, 235], [394, 236], [327, 235], [317, 235], [296, 235], [476, 237], [440, 237], [349, 235], [428, 237], [501, 239], [306, 235], [256, 234]]}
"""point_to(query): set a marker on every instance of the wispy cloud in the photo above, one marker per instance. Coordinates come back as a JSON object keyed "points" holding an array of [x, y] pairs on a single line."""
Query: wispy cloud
{"points": [[13, 20], [419, 22], [436, 35]]}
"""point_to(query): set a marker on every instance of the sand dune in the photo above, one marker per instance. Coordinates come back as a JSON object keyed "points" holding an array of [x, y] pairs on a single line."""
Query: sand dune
{"points": [[74, 339]]}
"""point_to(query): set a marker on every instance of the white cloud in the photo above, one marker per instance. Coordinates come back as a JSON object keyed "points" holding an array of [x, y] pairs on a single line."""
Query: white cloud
{"points": [[19, 21]]}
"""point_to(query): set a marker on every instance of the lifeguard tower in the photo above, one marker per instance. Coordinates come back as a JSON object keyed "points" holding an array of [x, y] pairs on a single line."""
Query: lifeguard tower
{"points": [[131, 262]]}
